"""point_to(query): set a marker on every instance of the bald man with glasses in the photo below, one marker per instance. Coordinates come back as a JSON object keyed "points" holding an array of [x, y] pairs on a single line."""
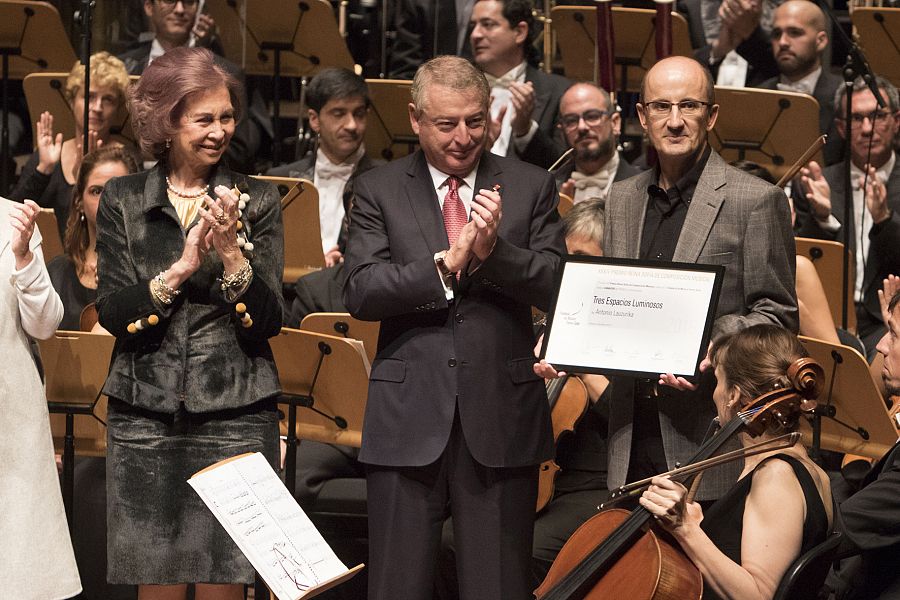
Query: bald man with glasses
{"points": [[692, 208], [591, 125]]}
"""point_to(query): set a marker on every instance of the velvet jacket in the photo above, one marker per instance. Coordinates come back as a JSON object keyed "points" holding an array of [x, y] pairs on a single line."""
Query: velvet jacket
{"points": [[199, 354]]}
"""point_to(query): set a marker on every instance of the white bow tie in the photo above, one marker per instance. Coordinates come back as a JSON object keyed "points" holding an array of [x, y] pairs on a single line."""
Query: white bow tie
{"points": [[583, 181]]}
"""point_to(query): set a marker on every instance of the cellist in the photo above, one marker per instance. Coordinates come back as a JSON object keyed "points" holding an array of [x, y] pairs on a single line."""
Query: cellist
{"points": [[780, 506]]}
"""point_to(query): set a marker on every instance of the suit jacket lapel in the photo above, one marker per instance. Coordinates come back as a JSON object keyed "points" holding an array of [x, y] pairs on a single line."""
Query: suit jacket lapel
{"points": [[635, 211], [424, 204], [702, 213]]}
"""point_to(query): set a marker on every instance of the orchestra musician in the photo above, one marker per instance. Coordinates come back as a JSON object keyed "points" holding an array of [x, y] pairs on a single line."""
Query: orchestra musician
{"points": [[875, 214], [524, 99], [781, 505], [456, 421], [591, 125], [192, 379], [869, 518], [338, 101], [50, 173], [799, 40]]}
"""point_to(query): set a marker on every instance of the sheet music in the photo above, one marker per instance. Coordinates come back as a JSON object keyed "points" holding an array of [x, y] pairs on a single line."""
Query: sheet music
{"points": [[268, 525]]}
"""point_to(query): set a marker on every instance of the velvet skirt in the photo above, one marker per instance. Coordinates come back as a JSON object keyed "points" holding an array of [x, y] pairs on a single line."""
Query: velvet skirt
{"points": [[159, 530]]}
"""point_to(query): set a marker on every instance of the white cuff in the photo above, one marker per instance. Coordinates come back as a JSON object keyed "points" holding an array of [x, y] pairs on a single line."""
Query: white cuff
{"points": [[521, 142]]}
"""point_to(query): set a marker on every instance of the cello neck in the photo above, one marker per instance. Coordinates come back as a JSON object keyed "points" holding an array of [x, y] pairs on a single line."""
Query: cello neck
{"points": [[555, 388]]}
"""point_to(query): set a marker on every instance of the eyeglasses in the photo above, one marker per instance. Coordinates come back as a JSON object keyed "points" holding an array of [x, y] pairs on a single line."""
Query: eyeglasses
{"points": [[878, 117], [592, 118], [688, 108], [171, 3]]}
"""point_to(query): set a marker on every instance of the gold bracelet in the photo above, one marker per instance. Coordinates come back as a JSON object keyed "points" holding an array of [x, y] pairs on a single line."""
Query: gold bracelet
{"points": [[238, 279], [162, 291]]}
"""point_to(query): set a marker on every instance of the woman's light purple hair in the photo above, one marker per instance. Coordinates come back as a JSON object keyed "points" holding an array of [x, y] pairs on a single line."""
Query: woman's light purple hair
{"points": [[157, 102]]}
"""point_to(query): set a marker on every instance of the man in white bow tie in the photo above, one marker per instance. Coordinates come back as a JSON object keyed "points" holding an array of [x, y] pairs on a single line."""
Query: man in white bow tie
{"points": [[524, 100], [591, 126], [338, 103]]}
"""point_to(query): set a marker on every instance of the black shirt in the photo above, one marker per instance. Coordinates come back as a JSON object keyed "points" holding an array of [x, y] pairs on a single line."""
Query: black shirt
{"points": [[74, 296], [666, 210]]}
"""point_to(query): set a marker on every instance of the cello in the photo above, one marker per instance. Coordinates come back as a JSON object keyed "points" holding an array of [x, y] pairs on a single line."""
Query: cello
{"points": [[612, 553]]}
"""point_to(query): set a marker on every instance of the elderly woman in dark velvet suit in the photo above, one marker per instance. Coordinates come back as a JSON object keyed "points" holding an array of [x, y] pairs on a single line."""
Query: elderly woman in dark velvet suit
{"points": [[189, 283]]}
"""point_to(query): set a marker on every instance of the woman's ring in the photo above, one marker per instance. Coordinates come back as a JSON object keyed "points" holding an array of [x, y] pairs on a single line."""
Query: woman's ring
{"points": [[220, 218]]}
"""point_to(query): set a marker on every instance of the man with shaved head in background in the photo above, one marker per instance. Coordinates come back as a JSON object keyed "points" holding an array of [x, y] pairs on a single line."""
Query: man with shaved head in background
{"points": [[799, 39]]}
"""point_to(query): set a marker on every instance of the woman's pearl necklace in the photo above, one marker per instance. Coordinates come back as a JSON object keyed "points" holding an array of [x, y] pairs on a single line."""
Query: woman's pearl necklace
{"points": [[182, 194]]}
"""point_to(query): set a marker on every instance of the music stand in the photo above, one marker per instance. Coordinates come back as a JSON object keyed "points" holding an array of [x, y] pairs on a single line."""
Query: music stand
{"points": [[302, 231], [75, 367], [51, 245], [770, 128], [27, 27], [878, 30], [284, 184], [852, 417], [278, 38], [826, 257], [328, 376], [389, 134], [47, 92], [343, 325], [635, 51]]}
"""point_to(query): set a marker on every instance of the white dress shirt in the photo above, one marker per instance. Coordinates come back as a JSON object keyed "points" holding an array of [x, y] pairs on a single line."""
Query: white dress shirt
{"points": [[501, 97], [804, 85], [862, 218], [330, 180]]}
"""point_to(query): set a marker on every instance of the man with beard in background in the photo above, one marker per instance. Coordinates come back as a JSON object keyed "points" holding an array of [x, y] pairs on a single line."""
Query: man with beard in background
{"points": [[591, 126]]}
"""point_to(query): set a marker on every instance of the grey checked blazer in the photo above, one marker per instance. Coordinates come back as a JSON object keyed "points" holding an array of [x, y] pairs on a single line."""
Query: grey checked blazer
{"points": [[736, 220]]}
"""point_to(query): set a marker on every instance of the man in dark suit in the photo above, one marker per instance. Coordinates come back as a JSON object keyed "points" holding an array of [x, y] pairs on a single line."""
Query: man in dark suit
{"points": [[591, 125], [870, 518], [177, 24], [875, 221], [525, 100], [338, 108], [421, 34], [456, 421], [692, 208], [799, 40]]}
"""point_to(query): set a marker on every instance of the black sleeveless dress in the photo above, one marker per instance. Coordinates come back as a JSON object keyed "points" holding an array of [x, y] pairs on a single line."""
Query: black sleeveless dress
{"points": [[723, 522]]}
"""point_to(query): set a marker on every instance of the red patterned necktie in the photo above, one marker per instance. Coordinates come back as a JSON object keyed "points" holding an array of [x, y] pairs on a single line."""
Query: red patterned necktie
{"points": [[455, 217]]}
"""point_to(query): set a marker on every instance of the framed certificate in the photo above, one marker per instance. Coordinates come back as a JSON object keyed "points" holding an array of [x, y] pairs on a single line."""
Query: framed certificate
{"points": [[617, 316]]}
